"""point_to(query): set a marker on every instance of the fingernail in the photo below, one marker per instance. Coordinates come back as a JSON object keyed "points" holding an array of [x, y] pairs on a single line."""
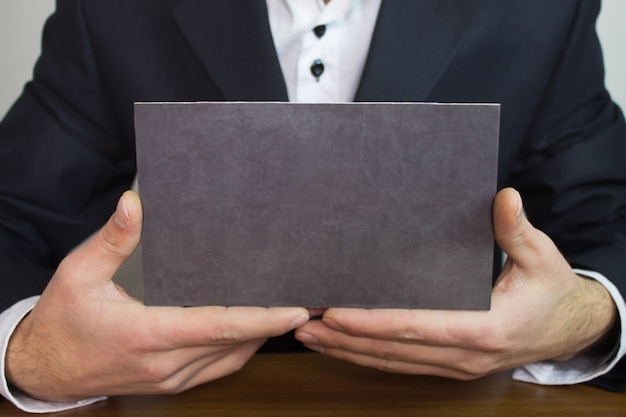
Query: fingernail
{"points": [[121, 216], [307, 339], [520, 208], [316, 348], [299, 321], [332, 324]]}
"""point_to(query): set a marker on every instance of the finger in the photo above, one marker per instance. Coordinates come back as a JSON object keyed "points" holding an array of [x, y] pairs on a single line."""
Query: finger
{"points": [[213, 367], [102, 255], [524, 244], [394, 366], [402, 357], [173, 327], [467, 329], [171, 371]]}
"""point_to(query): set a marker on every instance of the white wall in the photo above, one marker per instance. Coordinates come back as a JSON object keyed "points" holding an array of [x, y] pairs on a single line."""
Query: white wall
{"points": [[21, 22], [612, 31], [20, 29]]}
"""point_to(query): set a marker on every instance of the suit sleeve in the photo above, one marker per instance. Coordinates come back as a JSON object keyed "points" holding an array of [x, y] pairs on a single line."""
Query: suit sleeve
{"points": [[571, 171], [63, 159]]}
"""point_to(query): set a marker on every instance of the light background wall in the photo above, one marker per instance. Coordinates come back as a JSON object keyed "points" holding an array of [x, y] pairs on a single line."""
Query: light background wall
{"points": [[21, 22]]}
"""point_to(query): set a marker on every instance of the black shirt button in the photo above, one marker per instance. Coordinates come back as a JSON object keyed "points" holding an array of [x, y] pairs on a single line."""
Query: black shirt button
{"points": [[319, 30], [317, 69]]}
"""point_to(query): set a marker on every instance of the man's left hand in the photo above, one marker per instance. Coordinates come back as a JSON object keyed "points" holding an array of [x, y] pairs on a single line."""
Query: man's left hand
{"points": [[540, 310]]}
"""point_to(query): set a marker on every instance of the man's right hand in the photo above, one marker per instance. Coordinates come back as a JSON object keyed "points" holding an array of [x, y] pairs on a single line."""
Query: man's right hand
{"points": [[86, 337]]}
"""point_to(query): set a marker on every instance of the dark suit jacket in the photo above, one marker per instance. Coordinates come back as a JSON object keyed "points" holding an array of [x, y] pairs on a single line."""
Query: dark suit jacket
{"points": [[67, 148]]}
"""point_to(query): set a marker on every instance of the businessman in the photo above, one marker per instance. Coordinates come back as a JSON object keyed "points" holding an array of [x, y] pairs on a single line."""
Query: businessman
{"points": [[71, 336]]}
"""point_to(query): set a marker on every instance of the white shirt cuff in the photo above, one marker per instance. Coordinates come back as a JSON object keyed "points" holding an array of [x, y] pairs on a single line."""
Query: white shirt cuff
{"points": [[582, 368], [9, 319]]}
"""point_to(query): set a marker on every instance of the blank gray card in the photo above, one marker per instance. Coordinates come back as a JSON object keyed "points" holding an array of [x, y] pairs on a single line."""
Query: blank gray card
{"points": [[317, 205]]}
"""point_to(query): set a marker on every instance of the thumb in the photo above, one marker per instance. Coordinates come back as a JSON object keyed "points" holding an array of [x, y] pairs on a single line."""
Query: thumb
{"points": [[103, 254], [513, 232]]}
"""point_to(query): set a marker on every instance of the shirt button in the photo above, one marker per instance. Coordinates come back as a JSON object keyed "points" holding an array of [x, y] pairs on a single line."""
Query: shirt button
{"points": [[319, 30], [317, 69]]}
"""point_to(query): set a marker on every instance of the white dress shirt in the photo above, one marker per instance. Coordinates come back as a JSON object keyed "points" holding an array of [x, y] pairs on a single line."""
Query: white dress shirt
{"points": [[348, 26], [341, 44]]}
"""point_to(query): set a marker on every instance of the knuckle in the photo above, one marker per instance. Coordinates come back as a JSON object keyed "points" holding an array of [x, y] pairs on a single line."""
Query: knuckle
{"points": [[477, 366], [387, 366], [410, 334], [237, 364], [105, 241], [143, 339], [64, 275], [492, 342], [223, 335], [142, 344], [521, 236], [63, 269], [492, 338], [384, 350], [467, 377], [170, 386], [157, 373]]}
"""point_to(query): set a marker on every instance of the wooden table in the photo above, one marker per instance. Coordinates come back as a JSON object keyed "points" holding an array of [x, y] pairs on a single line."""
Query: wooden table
{"points": [[309, 384]]}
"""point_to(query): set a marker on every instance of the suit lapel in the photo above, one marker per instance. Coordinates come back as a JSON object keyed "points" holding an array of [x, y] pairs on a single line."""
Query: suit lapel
{"points": [[235, 46], [412, 45]]}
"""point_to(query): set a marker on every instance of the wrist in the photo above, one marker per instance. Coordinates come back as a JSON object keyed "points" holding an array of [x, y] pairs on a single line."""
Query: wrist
{"points": [[605, 319], [598, 323], [16, 362]]}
